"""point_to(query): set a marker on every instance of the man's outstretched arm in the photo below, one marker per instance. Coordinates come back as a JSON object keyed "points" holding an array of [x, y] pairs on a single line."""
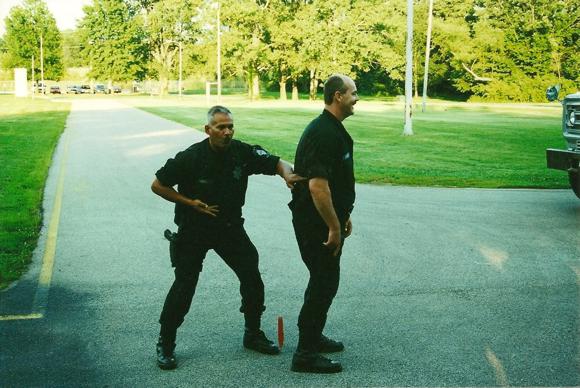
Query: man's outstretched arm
{"points": [[285, 170]]}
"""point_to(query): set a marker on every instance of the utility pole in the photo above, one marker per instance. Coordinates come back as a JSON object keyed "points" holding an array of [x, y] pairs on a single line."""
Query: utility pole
{"points": [[32, 76], [42, 65], [180, 68], [408, 130], [219, 56], [427, 53], [180, 45]]}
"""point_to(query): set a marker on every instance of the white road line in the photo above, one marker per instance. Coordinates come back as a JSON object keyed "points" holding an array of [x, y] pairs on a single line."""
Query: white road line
{"points": [[500, 374]]}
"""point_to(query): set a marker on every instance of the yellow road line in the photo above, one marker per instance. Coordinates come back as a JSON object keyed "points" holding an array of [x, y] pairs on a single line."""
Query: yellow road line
{"points": [[41, 296], [20, 317], [500, 375]]}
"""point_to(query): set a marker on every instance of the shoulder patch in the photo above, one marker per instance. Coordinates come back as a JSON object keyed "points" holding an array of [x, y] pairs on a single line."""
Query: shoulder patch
{"points": [[259, 151]]}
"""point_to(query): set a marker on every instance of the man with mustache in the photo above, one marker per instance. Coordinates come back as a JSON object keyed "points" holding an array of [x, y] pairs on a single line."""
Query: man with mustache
{"points": [[211, 178], [321, 208]]}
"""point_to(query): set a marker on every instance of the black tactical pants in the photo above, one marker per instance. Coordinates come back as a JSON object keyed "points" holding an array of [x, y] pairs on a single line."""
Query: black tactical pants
{"points": [[323, 282], [233, 245]]}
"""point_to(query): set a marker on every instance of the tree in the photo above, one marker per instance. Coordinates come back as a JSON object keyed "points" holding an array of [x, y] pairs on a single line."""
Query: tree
{"points": [[71, 42], [169, 25], [286, 38], [538, 40], [453, 46], [2, 48], [112, 41], [377, 38], [351, 38], [321, 24], [245, 40], [504, 50], [28, 27]]}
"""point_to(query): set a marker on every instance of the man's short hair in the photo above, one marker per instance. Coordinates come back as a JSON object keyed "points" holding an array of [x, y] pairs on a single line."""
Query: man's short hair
{"points": [[217, 109], [332, 85]]}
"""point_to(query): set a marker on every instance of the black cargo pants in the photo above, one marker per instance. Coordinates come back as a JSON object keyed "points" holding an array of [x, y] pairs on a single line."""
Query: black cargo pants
{"points": [[233, 245], [323, 283]]}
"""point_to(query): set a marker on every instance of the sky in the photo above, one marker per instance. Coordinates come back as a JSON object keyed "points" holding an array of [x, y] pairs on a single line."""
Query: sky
{"points": [[66, 12]]}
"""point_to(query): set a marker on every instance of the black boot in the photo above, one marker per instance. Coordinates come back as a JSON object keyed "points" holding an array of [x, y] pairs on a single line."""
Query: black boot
{"points": [[165, 354], [256, 340], [327, 345], [311, 362]]}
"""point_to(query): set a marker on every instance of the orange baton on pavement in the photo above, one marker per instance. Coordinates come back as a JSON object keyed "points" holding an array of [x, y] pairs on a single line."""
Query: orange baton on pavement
{"points": [[280, 332]]}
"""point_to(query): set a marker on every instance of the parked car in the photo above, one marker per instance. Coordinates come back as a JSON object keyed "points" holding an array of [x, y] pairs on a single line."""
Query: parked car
{"points": [[116, 89], [99, 88], [40, 87], [55, 89], [73, 89], [85, 89]]}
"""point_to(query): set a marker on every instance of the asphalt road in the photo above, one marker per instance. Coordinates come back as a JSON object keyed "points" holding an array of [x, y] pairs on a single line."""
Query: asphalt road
{"points": [[439, 287]]}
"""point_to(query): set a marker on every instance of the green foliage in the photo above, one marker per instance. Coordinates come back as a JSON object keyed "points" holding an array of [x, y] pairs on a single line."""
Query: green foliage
{"points": [[286, 38], [477, 48], [524, 46], [499, 51], [29, 130], [167, 24], [113, 41], [508, 50], [245, 40], [71, 41], [26, 27]]}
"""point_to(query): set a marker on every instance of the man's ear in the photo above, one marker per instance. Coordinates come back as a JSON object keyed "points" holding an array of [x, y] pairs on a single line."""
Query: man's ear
{"points": [[207, 129]]}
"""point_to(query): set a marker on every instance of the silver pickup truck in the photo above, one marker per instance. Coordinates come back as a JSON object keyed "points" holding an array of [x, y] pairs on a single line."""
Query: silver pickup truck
{"points": [[568, 159]]}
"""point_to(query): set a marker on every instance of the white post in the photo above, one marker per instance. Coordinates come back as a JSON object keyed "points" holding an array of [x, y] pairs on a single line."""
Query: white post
{"points": [[180, 68], [32, 76], [408, 130], [427, 54], [20, 82], [42, 65]]}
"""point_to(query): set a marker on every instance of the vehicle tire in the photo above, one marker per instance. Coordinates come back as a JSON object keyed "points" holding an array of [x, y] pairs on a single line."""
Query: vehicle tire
{"points": [[575, 182]]}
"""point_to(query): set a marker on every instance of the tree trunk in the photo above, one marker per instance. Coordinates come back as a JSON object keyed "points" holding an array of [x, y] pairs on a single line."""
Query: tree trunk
{"points": [[313, 82], [249, 81], [294, 91], [283, 96], [256, 87], [163, 84], [416, 82], [427, 55], [408, 127]]}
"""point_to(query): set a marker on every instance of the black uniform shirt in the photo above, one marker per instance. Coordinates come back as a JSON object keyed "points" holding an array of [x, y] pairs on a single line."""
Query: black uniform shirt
{"points": [[325, 151], [216, 178]]}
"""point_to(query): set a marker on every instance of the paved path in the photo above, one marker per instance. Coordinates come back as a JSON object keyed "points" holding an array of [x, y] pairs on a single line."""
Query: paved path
{"points": [[440, 287]]}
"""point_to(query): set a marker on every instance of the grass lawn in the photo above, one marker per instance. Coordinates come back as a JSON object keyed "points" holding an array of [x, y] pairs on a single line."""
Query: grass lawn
{"points": [[454, 144], [29, 131]]}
